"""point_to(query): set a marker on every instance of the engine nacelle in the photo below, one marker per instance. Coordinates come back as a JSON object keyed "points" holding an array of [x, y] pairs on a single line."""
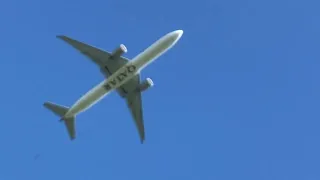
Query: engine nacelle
{"points": [[119, 51], [146, 84]]}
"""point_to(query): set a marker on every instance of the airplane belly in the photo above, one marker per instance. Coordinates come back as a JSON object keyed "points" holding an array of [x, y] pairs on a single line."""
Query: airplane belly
{"points": [[122, 76], [102, 89], [125, 73], [156, 49], [89, 99]]}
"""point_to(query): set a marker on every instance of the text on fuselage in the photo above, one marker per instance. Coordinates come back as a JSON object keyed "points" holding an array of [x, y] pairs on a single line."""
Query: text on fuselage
{"points": [[122, 76]]}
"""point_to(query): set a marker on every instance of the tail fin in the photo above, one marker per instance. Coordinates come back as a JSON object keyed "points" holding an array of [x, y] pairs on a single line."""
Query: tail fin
{"points": [[60, 111]]}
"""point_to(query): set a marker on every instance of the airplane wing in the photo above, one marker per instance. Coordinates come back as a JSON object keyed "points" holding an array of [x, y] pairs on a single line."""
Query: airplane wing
{"points": [[109, 66], [134, 102], [99, 57]]}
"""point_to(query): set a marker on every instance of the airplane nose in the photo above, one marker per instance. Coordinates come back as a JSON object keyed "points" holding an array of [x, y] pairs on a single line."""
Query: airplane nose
{"points": [[178, 33], [172, 37]]}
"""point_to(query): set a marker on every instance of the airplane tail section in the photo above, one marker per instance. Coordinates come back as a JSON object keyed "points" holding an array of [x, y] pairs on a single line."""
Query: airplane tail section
{"points": [[60, 111], [57, 109]]}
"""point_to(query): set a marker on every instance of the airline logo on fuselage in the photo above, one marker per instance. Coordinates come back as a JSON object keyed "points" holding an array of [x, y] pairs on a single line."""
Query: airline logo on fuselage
{"points": [[122, 76]]}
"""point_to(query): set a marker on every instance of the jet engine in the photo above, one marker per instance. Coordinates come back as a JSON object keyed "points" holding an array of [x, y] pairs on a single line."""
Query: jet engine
{"points": [[119, 51], [146, 84]]}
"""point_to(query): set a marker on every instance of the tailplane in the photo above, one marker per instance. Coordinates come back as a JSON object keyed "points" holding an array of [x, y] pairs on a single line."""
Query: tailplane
{"points": [[60, 111]]}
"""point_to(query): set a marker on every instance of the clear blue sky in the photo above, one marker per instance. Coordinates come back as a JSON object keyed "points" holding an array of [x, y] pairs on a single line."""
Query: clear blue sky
{"points": [[236, 98]]}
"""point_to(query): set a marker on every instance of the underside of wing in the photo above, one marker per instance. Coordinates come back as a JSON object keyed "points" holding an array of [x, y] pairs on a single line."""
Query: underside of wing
{"points": [[134, 102], [108, 62]]}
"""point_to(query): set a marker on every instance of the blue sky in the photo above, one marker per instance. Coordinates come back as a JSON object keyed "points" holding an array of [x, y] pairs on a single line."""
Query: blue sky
{"points": [[236, 98]]}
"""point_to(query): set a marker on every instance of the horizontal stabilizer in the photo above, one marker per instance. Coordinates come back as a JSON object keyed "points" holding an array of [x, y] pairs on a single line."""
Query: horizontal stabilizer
{"points": [[57, 109], [60, 111]]}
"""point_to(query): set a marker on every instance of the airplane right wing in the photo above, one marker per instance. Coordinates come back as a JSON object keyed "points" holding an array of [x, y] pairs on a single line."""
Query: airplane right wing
{"points": [[100, 57], [108, 65]]}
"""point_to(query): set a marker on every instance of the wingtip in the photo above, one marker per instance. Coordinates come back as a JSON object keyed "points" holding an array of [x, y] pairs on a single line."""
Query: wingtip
{"points": [[60, 36], [63, 37], [46, 104]]}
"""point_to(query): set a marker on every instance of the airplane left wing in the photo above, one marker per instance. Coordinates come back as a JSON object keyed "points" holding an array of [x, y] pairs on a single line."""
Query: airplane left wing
{"points": [[134, 102]]}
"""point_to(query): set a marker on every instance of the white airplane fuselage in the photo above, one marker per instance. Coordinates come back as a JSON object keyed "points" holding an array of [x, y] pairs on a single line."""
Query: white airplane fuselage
{"points": [[125, 73]]}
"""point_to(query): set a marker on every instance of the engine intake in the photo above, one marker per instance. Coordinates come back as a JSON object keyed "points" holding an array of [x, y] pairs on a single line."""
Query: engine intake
{"points": [[119, 51], [146, 84]]}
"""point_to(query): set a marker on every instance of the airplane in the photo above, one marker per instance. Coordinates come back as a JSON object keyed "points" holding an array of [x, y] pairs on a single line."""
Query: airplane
{"points": [[121, 74]]}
